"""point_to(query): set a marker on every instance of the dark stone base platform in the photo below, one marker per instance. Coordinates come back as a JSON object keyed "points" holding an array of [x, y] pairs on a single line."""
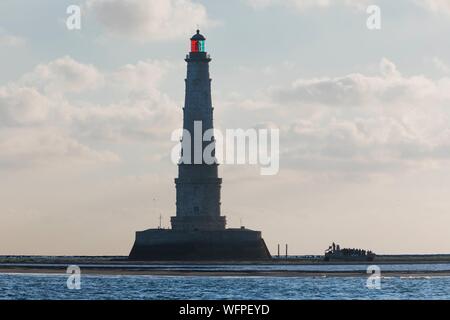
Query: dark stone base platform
{"points": [[223, 245]]}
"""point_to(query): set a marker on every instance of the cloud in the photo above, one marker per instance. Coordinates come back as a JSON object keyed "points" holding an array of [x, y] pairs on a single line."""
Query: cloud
{"points": [[9, 40], [309, 4], [144, 76], [359, 90], [140, 112], [441, 65], [356, 124], [144, 119], [63, 75], [375, 143], [55, 112], [435, 6], [27, 147], [148, 20], [22, 106], [35, 132]]}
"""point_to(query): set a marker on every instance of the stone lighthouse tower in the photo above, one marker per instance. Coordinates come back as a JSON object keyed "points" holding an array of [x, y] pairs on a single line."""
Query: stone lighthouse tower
{"points": [[198, 228], [198, 184]]}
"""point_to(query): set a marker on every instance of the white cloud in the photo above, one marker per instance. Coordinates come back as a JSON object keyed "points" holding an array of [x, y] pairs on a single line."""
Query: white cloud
{"points": [[22, 106], [48, 112], [25, 147], [9, 40], [308, 4], [360, 90], [441, 65], [388, 69], [34, 131], [142, 76], [140, 112], [357, 123], [64, 75], [146, 20], [144, 119], [435, 6]]}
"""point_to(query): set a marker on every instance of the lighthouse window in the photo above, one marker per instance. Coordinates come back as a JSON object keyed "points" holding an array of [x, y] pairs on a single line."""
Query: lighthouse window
{"points": [[201, 46], [197, 45], [194, 46]]}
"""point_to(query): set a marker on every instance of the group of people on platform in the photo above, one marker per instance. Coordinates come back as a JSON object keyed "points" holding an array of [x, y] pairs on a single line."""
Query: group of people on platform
{"points": [[336, 249]]}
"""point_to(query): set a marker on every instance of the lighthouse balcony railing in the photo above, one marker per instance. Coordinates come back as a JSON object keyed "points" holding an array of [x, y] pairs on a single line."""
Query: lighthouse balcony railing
{"points": [[208, 56]]}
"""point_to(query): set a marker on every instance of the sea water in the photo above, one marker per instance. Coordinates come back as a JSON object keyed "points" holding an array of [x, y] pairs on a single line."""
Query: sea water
{"points": [[93, 287]]}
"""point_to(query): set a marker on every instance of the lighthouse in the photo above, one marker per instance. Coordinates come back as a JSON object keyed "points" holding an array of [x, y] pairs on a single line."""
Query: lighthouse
{"points": [[198, 185], [198, 230]]}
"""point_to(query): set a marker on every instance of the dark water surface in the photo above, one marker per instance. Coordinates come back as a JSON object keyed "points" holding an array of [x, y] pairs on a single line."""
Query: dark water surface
{"points": [[41, 286]]}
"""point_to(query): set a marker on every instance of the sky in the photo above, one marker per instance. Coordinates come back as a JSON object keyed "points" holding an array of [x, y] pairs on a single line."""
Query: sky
{"points": [[364, 116]]}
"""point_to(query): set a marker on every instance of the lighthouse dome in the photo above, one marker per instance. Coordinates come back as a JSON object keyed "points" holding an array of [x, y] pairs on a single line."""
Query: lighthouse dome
{"points": [[198, 36]]}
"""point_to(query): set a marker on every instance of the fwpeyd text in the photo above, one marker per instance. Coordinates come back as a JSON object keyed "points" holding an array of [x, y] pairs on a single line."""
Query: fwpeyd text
{"points": [[227, 309]]}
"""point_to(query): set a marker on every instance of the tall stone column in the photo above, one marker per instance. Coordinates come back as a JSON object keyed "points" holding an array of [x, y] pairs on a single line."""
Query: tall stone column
{"points": [[198, 185]]}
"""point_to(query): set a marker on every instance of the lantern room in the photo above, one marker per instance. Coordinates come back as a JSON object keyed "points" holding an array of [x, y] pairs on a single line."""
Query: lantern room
{"points": [[198, 42]]}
